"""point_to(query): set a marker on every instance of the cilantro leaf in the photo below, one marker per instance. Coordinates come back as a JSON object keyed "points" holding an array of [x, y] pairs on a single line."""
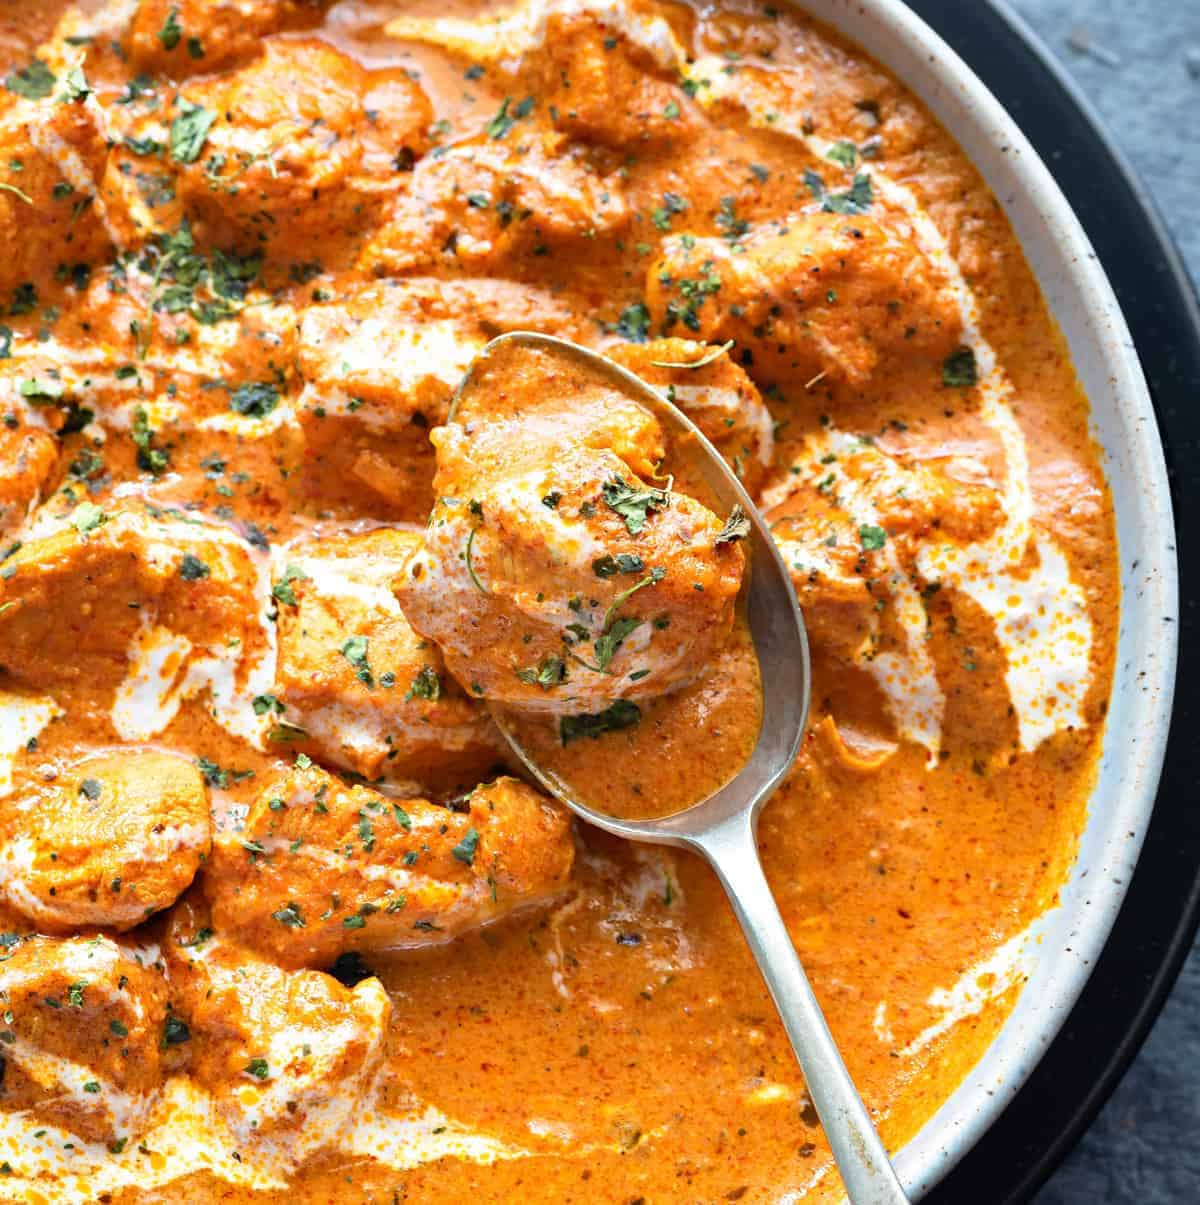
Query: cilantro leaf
{"points": [[634, 323], [256, 399], [426, 685], [189, 132], [959, 370], [283, 591], [171, 31], [549, 672], [464, 851], [632, 503], [607, 645], [192, 568], [289, 916], [34, 82], [737, 527], [622, 714], [873, 538]]}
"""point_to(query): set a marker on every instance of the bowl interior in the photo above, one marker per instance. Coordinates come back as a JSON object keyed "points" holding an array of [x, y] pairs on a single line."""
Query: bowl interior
{"points": [[1060, 949]]}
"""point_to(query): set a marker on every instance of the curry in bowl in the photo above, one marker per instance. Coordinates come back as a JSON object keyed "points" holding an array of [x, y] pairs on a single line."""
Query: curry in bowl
{"points": [[279, 918]]}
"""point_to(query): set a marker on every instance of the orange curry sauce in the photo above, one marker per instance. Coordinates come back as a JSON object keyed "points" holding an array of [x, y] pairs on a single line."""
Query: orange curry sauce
{"points": [[249, 249]]}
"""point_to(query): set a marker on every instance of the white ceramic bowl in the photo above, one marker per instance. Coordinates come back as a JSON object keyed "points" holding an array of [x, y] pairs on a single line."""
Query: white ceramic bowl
{"points": [[1065, 942]]}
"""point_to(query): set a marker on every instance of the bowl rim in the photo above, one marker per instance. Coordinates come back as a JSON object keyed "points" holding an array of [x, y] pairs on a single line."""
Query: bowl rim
{"points": [[1069, 937]]}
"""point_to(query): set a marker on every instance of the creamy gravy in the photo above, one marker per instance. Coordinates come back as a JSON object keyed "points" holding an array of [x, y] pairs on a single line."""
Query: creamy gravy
{"points": [[613, 173]]}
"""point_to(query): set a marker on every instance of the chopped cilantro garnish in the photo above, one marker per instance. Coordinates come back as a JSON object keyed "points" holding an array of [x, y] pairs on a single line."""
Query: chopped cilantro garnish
{"points": [[171, 31], [737, 527], [873, 538], [607, 645], [632, 503], [624, 562], [959, 370], [426, 685], [86, 517], [464, 851], [550, 671], [175, 1030], [622, 714], [189, 132], [289, 916], [256, 399], [283, 591], [192, 568], [634, 323], [34, 82]]}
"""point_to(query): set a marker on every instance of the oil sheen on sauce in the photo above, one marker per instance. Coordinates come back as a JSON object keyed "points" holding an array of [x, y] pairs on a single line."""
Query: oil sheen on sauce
{"points": [[614, 172]]}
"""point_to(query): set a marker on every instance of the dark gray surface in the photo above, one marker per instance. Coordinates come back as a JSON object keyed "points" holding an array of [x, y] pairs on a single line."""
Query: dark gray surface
{"points": [[1138, 61]]}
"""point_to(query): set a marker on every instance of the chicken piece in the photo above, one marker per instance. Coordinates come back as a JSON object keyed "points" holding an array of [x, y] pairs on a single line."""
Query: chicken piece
{"points": [[134, 581], [194, 339], [600, 86], [379, 367], [844, 503], [819, 293], [52, 156], [371, 695], [82, 1029], [302, 144], [28, 456], [110, 841], [178, 38], [716, 395], [290, 1056], [552, 574], [319, 868], [492, 202]]}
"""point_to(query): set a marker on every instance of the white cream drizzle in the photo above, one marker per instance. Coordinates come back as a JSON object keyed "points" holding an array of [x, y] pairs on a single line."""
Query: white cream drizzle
{"points": [[22, 717], [987, 981], [1041, 618]]}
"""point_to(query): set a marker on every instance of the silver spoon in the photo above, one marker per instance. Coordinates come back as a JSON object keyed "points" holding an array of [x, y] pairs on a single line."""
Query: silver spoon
{"points": [[722, 827]]}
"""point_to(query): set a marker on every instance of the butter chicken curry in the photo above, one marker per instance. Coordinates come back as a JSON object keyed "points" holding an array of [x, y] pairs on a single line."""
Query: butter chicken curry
{"points": [[279, 918]]}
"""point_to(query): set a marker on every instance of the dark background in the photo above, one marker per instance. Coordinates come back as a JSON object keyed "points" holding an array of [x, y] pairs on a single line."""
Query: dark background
{"points": [[1138, 62]]}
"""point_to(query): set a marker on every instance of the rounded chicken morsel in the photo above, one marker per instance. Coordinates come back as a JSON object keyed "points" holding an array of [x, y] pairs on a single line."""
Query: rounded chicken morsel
{"points": [[81, 1031], [109, 842], [487, 204], [177, 38], [358, 687], [601, 86], [290, 1056], [128, 583], [552, 574], [54, 153], [379, 366], [319, 868], [837, 561], [715, 393], [819, 294], [302, 141]]}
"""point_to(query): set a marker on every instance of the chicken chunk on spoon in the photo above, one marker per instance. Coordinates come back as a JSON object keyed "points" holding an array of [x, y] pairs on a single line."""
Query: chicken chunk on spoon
{"points": [[559, 571]]}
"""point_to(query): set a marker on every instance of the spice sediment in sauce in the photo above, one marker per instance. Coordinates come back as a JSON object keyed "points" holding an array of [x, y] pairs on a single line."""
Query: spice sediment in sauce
{"points": [[250, 250]]}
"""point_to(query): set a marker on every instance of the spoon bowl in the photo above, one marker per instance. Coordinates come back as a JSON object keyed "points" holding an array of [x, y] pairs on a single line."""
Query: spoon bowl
{"points": [[722, 827]]}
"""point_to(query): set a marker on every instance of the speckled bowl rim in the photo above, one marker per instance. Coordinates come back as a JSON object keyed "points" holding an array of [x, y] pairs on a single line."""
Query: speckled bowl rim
{"points": [[1069, 937]]}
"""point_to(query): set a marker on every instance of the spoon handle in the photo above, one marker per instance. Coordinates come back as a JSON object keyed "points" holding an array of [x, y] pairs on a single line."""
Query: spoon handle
{"points": [[861, 1157]]}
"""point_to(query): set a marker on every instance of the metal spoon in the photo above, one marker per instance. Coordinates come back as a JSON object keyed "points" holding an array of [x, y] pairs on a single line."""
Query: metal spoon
{"points": [[722, 827]]}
